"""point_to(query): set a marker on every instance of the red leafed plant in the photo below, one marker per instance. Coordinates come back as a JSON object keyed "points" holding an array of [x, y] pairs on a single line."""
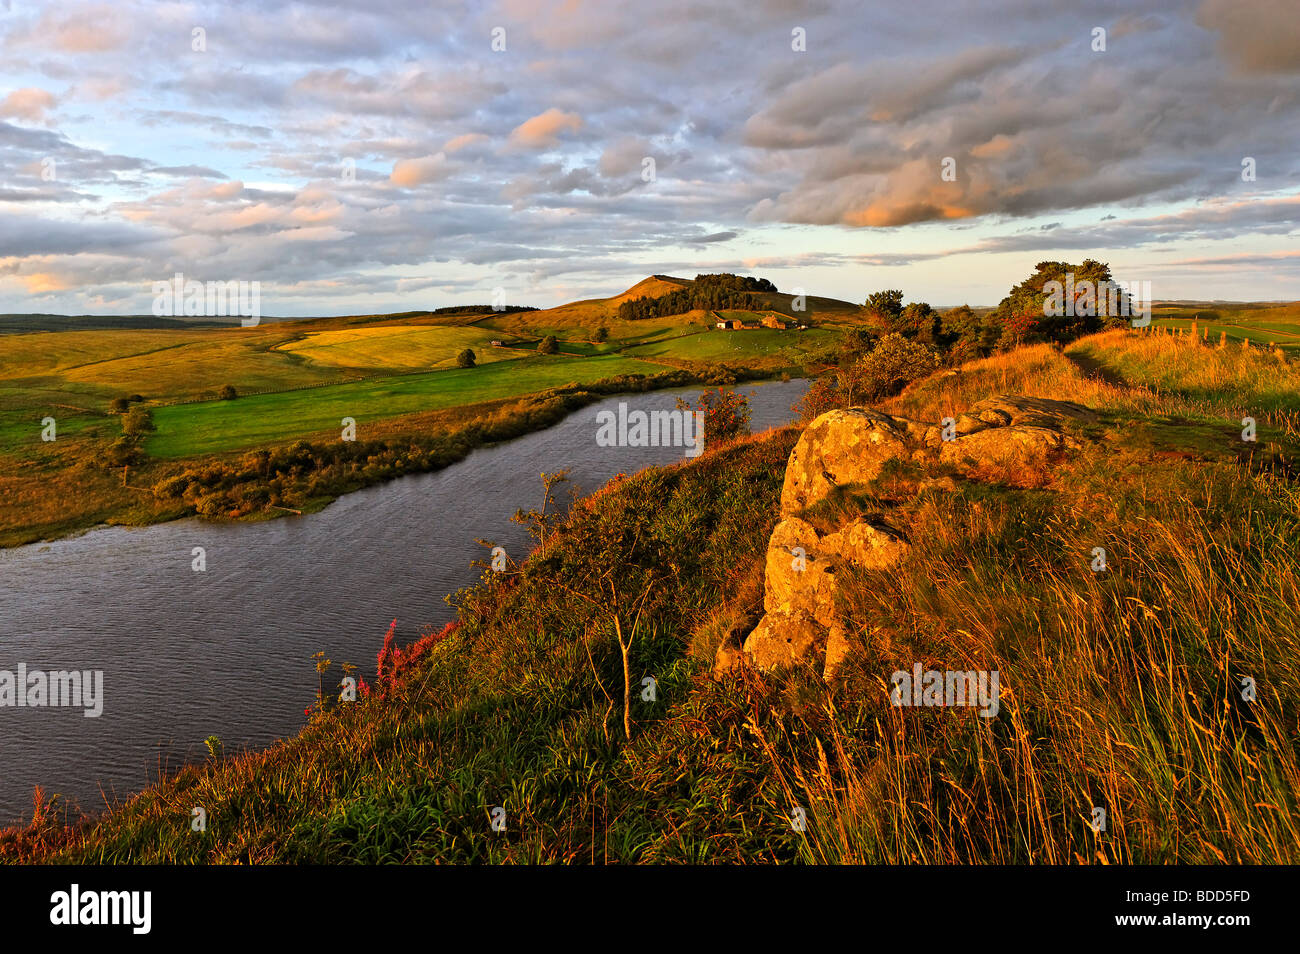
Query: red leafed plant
{"points": [[395, 662], [387, 655]]}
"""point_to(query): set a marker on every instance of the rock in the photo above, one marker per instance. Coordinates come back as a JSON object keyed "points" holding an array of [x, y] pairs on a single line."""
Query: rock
{"points": [[783, 639], [838, 648], [1013, 409], [971, 423], [799, 576], [872, 546], [844, 446], [916, 430], [1017, 444], [852, 446], [730, 653]]}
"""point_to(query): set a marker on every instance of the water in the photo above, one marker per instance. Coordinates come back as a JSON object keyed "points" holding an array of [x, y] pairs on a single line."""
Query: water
{"points": [[226, 652]]}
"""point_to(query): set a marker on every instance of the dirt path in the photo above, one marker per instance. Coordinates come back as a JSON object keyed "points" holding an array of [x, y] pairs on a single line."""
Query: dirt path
{"points": [[1092, 368]]}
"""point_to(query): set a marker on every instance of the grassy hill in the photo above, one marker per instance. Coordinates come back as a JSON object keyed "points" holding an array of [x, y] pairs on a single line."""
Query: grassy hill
{"points": [[1119, 690], [584, 317]]}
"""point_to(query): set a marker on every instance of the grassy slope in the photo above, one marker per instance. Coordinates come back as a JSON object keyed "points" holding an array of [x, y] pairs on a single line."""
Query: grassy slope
{"points": [[263, 419], [401, 347], [582, 318], [788, 348], [1119, 689]]}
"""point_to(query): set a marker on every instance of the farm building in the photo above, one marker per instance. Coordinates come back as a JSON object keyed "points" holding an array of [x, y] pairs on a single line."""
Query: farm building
{"points": [[730, 324]]}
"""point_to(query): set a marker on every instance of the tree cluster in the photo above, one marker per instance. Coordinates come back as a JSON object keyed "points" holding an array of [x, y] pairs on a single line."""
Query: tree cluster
{"points": [[721, 292]]}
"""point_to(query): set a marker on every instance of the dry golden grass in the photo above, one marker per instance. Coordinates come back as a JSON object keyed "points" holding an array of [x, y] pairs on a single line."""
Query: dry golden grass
{"points": [[1121, 689]]}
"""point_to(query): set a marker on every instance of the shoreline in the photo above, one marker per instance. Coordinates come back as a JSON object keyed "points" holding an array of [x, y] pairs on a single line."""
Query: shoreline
{"points": [[466, 438]]}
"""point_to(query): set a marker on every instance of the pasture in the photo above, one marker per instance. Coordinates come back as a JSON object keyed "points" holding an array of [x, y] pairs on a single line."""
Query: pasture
{"points": [[264, 419], [1258, 323]]}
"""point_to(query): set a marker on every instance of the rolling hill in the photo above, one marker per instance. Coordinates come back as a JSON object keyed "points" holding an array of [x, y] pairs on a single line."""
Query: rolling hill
{"points": [[584, 317]]}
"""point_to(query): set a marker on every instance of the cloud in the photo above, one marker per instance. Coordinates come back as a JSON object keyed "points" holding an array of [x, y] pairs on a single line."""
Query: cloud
{"points": [[96, 28], [29, 103], [475, 168], [1255, 36], [543, 130], [714, 237], [625, 157], [412, 172], [464, 141]]}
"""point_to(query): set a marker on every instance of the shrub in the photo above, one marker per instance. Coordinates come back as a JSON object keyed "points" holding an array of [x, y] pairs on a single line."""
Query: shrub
{"points": [[122, 451], [894, 363], [172, 487], [227, 392], [822, 395], [726, 415], [137, 422]]}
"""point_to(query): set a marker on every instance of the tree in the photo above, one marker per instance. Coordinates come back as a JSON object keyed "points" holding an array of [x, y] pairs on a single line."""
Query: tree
{"points": [[123, 451], [137, 422], [854, 343], [919, 322], [887, 306], [822, 395], [726, 415], [466, 358], [227, 392], [602, 335], [537, 521], [958, 324], [120, 405], [1027, 313], [548, 345]]}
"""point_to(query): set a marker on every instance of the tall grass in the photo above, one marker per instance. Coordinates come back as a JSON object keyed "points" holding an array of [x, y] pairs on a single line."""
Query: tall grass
{"points": [[1120, 690]]}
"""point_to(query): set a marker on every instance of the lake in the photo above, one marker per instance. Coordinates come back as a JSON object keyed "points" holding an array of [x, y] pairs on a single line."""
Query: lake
{"points": [[227, 651]]}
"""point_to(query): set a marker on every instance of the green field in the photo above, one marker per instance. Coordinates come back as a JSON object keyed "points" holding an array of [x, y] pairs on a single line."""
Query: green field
{"points": [[398, 347], [744, 345], [217, 426], [1258, 323]]}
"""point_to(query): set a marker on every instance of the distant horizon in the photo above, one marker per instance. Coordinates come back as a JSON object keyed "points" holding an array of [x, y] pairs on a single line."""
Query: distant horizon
{"points": [[308, 316]]}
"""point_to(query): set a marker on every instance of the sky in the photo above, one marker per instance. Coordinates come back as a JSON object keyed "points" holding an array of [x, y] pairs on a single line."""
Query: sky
{"points": [[390, 156]]}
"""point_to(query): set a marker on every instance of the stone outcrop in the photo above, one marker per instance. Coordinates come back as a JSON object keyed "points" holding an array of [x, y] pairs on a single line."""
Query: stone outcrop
{"points": [[1012, 430], [850, 446], [847, 446]]}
